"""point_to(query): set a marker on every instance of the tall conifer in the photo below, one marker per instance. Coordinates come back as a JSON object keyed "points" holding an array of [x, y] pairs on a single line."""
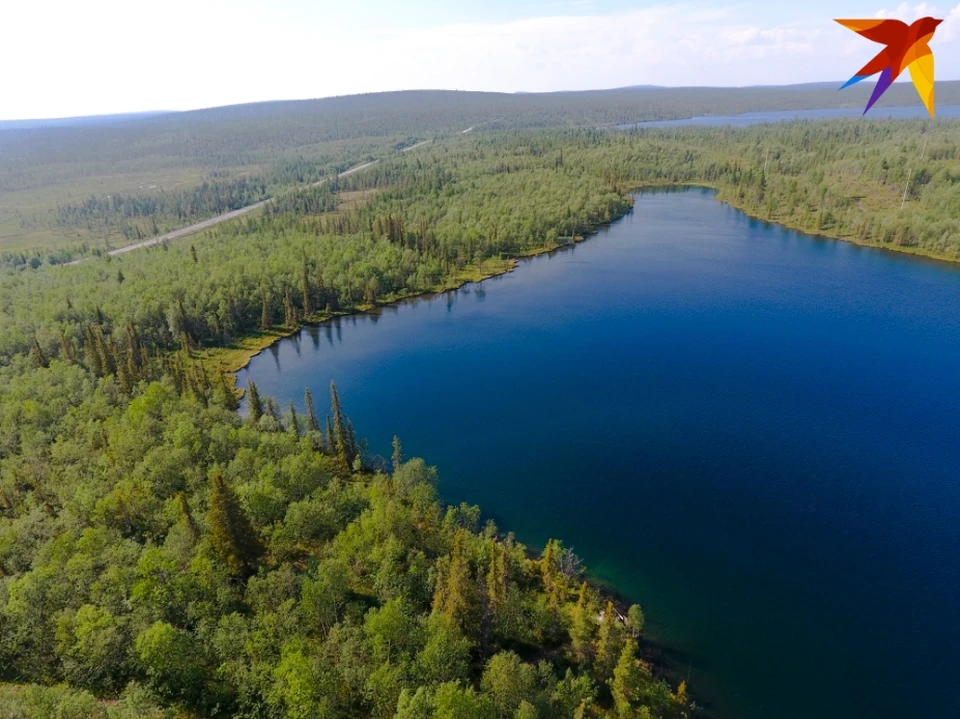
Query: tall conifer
{"points": [[232, 536], [312, 422], [254, 403]]}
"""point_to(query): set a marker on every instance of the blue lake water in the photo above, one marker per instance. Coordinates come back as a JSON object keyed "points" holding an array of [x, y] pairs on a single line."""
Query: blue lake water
{"points": [[752, 432], [907, 112]]}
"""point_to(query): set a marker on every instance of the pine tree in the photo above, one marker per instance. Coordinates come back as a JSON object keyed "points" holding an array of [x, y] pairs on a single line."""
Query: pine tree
{"points": [[232, 536], [254, 403], [312, 420]]}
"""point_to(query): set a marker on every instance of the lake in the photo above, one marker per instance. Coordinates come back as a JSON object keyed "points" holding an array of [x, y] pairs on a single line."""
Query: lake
{"points": [[750, 431], [906, 112]]}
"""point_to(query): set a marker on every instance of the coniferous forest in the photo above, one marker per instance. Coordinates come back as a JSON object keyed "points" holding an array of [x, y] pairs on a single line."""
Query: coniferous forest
{"points": [[160, 555]]}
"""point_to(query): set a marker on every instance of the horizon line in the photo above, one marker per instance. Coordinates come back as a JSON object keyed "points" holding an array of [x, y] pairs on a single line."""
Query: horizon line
{"points": [[637, 88]]}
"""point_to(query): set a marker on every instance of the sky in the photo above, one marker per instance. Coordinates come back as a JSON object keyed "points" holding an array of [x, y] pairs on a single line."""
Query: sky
{"points": [[62, 58]]}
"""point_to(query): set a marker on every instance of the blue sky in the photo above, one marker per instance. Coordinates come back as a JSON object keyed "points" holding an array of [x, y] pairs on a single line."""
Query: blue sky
{"points": [[79, 57]]}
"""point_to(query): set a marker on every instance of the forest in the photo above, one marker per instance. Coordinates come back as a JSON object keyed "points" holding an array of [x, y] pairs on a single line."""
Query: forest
{"points": [[162, 556], [43, 169], [161, 552], [461, 207]]}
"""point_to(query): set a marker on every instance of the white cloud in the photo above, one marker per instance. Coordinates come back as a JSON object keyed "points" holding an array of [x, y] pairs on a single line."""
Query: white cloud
{"points": [[196, 53]]}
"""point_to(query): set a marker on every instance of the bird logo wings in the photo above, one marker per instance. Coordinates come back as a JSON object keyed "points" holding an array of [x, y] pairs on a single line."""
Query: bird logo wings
{"points": [[906, 47]]}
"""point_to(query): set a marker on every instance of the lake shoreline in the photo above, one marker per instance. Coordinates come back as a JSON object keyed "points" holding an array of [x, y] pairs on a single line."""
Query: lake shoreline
{"points": [[754, 215], [237, 357], [630, 450]]}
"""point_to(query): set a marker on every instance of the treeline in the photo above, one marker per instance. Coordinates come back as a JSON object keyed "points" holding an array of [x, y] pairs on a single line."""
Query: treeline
{"points": [[266, 271], [139, 216], [453, 206], [262, 133], [886, 183], [313, 200], [164, 552]]}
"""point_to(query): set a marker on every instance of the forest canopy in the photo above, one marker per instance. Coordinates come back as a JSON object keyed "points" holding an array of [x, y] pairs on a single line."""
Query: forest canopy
{"points": [[161, 555]]}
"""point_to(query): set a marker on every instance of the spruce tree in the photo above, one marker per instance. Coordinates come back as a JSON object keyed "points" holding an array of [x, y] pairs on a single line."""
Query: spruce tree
{"points": [[343, 441], [90, 353], [289, 311], [305, 288], [264, 310], [229, 394], [272, 409], [312, 422], [254, 403], [232, 536], [294, 426], [330, 441]]}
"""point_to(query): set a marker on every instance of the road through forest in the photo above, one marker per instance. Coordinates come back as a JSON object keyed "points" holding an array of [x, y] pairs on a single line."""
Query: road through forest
{"points": [[233, 214]]}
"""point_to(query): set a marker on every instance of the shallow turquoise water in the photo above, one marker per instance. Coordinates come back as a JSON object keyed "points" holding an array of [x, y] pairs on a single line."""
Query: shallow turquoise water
{"points": [[752, 432]]}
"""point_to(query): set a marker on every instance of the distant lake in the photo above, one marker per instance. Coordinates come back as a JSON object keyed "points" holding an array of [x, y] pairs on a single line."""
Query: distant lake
{"points": [[752, 432], [943, 112]]}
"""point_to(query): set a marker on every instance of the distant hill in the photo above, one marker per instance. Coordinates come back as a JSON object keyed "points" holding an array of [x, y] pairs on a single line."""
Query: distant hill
{"points": [[376, 114], [247, 151], [86, 121]]}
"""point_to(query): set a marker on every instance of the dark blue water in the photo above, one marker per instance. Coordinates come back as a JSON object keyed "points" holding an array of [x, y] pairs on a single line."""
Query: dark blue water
{"points": [[754, 433], [907, 112]]}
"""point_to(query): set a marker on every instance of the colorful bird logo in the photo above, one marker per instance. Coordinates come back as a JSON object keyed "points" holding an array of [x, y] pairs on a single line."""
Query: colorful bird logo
{"points": [[906, 46]]}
